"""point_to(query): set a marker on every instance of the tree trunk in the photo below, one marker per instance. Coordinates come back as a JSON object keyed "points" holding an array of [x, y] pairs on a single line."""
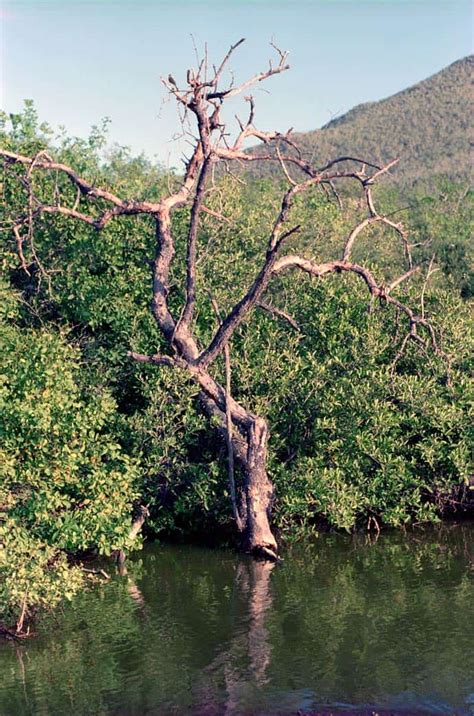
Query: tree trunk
{"points": [[257, 494], [244, 661], [256, 489]]}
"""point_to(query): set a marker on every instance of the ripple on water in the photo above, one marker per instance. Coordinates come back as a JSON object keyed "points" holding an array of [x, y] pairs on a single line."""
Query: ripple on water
{"points": [[341, 624]]}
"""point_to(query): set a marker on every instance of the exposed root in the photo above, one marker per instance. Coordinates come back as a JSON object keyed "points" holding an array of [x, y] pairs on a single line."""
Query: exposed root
{"points": [[265, 553], [10, 634]]}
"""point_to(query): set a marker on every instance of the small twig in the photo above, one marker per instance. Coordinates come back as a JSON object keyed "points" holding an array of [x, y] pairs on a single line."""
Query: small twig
{"points": [[156, 359], [21, 619], [19, 247], [215, 214], [429, 273], [397, 281], [100, 572], [77, 200], [373, 520], [282, 164], [336, 194], [228, 419], [278, 312]]}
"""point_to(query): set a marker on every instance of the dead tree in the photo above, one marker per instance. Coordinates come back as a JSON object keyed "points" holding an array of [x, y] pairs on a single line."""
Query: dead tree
{"points": [[201, 98]]}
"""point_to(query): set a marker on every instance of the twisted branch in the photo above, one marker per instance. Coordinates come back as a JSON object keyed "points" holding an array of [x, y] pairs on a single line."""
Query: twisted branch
{"points": [[203, 98]]}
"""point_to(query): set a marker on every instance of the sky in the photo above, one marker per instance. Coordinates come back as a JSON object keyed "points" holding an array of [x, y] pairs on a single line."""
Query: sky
{"points": [[83, 60]]}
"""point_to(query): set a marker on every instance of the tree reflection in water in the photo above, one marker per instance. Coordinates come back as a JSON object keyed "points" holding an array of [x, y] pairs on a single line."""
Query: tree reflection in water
{"points": [[242, 665], [189, 630]]}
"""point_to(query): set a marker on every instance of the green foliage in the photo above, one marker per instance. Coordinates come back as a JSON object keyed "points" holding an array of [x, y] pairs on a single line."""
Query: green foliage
{"points": [[182, 480], [33, 574], [66, 485], [350, 440], [87, 432], [445, 218]]}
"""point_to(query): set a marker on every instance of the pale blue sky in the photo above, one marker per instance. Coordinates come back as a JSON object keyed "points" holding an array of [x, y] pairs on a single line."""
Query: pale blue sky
{"points": [[83, 60]]}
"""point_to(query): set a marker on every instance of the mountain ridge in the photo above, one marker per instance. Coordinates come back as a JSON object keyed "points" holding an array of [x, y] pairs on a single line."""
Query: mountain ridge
{"points": [[426, 125]]}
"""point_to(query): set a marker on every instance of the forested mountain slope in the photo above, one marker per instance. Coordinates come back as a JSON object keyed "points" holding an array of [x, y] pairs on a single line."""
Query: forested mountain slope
{"points": [[428, 126]]}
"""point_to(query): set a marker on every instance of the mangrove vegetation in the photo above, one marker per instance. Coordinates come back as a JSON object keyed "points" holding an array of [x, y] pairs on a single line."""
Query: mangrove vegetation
{"points": [[221, 356]]}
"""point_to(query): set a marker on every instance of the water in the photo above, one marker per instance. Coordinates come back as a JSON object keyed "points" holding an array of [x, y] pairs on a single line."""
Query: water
{"points": [[342, 623]]}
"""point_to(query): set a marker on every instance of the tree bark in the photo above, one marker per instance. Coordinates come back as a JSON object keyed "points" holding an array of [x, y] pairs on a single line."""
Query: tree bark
{"points": [[246, 433], [256, 489], [257, 494]]}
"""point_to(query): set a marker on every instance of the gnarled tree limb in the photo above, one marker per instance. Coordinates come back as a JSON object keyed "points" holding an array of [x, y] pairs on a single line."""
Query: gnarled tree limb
{"points": [[203, 98]]}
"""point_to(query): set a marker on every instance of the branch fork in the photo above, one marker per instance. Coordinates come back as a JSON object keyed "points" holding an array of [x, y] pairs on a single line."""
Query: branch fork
{"points": [[246, 434]]}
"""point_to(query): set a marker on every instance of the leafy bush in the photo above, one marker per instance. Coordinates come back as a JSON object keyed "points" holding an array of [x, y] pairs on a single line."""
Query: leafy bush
{"points": [[350, 437], [66, 485], [86, 432]]}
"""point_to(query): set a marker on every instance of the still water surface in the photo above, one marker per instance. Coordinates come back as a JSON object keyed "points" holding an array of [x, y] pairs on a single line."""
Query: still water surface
{"points": [[341, 623]]}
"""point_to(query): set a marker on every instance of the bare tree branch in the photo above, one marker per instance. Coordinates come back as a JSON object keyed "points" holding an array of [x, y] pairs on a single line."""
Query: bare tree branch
{"points": [[85, 187], [429, 273], [188, 310], [228, 420], [259, 77], [278, 312], [154, 359], [201, 100], [218, 73], [242, 308]]}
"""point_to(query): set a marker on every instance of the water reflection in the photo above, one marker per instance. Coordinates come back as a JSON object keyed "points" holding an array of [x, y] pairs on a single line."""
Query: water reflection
{"points": [[384, 623], [246, 655]]}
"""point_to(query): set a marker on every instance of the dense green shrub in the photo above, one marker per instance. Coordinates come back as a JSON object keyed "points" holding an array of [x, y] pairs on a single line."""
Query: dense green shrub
{"points": [[86, 432], [66, 485]]}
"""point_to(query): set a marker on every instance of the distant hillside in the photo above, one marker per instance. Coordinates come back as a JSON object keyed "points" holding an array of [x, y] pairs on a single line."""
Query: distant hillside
{"points": [[429, 126]]}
